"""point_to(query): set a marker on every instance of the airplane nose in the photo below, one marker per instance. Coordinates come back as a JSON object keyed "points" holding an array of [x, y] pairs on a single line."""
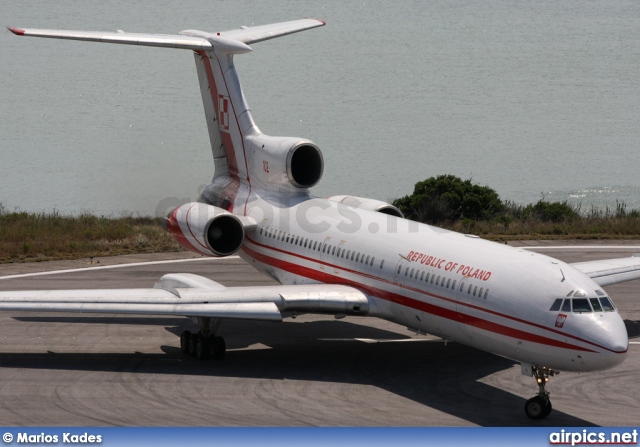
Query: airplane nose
{"points": [[611, 335]]}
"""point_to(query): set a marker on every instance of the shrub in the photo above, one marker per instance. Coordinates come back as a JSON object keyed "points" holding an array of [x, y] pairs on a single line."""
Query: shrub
{"points": [[447, 198]]}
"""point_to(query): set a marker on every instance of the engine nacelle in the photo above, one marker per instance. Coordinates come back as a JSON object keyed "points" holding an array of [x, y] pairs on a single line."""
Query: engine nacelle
{"points": [[368, 204], [279, 163], [207, 230]]}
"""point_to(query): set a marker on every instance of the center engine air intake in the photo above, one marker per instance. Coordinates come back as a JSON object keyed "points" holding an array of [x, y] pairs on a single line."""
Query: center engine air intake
{"points": [[304, 165]]}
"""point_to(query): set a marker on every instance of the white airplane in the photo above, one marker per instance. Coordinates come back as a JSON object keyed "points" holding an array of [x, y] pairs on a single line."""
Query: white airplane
{"points": [[348, 255]]}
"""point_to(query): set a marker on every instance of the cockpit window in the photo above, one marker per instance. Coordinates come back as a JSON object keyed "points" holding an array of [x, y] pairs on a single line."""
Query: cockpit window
{"points": [[581, 305], [607, 304], [566, 306], [556, 305], [595, 304]]}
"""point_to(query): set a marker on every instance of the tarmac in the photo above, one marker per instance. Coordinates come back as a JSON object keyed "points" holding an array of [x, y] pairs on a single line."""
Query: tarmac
{"points": [[104, 370]]}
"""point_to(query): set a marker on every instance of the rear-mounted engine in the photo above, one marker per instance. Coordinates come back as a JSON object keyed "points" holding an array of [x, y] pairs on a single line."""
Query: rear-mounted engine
{"points": [[206, 229]]}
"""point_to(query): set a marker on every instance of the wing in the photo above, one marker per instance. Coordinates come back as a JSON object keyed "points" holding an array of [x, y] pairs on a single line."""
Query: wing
{"points": [[611, 271], [195, 296], [184, 40]]}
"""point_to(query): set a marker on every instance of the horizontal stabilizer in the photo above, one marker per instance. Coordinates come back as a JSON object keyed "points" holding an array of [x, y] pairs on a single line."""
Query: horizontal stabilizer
{"points": [[611, 271], [184, 40]]}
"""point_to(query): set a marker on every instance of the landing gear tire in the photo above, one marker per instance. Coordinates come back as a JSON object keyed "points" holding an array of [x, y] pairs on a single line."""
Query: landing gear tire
{"points": [[184, 341], [203, 348], [547, 409], [218, 348], [193, 341], [537, 407]]}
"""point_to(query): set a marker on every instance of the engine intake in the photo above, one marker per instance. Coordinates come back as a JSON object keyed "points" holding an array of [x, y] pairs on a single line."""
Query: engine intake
{"points": [[368, 204], [285, 163], [304, 165], [206, 229]]}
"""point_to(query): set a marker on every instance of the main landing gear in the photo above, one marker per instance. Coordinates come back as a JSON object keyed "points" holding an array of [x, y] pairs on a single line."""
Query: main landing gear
{"points": [[539, 407], [201, 346], [205, 344]]}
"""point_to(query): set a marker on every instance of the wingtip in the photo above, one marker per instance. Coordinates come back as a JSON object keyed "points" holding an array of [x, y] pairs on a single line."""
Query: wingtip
{"points": [[321, 21], [16, 31]]}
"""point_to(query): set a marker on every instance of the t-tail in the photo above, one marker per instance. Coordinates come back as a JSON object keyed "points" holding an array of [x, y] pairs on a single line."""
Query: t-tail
{"points": [[241, 153], [245, 160]]}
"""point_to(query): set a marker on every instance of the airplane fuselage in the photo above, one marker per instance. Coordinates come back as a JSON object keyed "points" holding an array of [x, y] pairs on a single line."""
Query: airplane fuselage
{"points": [[460, 287]]}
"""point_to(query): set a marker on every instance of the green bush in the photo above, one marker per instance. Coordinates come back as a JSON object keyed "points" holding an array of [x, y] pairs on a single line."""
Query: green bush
{"points": [[449, 198]]}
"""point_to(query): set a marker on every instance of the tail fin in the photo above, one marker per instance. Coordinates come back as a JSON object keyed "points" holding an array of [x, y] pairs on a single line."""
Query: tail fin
{"points": [[229, 119]]}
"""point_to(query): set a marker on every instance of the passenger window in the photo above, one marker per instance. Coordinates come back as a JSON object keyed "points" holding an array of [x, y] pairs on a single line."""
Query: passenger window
{"points": [[381, 263], [399, 268], [333, 252], [406, 271], [448, 282], [453, 286], [438, 280], [358, 258], [486, 293], [566, 306], [422, 275], [367, 262], [581, 305], [595, 304], [475, 289], [470, 287], [352, 255], [607, 305], [372, 259], [260, 230], [461, 286], [411, 274], [427, 278], [480, 292], [324, 248], [556, 305]]}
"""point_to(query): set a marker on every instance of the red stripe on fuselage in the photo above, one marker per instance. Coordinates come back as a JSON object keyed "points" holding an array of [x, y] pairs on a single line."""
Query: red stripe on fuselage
{"points": [[432, 309], [440, 297], [173, 227]]}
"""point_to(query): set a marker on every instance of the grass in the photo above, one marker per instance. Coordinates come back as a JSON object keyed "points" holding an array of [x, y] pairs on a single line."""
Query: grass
{"points": [[29, 237], [48, 236]]}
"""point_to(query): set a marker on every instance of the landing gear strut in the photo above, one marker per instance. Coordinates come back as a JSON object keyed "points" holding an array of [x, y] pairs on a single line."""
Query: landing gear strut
{"points": [[539, 407]]}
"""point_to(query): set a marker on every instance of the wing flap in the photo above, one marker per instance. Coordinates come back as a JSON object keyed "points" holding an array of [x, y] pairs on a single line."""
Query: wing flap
{"points": [[611, 271], [241, 311]]}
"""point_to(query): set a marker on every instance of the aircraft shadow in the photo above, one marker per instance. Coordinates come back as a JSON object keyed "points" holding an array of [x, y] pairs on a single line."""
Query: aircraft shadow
{"points": [[633, 328], [446, 378]]}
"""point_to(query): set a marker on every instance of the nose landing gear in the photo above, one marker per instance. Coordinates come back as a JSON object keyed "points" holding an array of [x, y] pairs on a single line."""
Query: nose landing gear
{"points": [[539, 407]]}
